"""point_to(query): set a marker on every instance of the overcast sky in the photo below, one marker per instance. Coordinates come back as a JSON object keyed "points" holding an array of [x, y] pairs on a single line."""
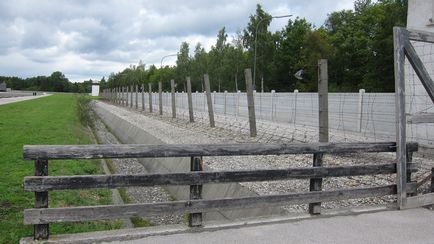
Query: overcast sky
{"points": [[90, 39]]}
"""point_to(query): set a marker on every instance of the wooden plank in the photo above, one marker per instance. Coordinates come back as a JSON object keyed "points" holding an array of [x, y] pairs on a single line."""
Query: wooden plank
{"points": [[190, 100], [421, 36], [209, 101], [58, 215], [250, 102], [34, 183], [172, 89], [419, 68], [421, 118], [186, 150], [41, 231], [419, 201], [399, 59], [195, 219], [315, 184]]}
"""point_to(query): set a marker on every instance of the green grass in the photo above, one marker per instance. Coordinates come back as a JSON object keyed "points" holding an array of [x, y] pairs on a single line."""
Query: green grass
{"points": [[48, 120]]}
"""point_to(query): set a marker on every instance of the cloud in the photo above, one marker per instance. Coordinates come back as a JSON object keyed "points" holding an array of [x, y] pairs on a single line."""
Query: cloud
{"points": [[91, 39]]}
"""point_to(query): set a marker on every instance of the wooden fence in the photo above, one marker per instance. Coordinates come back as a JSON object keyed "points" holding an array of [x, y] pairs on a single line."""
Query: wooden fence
{"points": [[41, 216]]}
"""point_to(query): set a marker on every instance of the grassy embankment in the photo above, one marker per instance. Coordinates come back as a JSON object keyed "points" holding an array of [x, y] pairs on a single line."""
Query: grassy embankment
{"points": [[50, 120]]}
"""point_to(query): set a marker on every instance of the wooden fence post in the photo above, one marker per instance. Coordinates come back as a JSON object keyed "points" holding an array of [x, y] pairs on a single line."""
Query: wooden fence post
{"points": [[160, 97], [137, 96], [316, 183], [172, 87], [143, 97], [195, 219], [209, 101], [41, 231], [150, 97], [190, 100], [250, 102]]}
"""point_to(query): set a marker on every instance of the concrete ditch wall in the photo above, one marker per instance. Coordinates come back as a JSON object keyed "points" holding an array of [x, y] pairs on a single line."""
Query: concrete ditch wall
{"points": [[129, 132]]}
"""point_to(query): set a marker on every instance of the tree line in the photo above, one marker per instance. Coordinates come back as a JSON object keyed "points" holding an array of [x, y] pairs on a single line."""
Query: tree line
{"points": [[357, 43], [56, 82]]}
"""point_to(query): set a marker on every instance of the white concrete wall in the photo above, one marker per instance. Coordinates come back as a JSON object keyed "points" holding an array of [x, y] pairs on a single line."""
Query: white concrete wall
{"points": [[95, 90]]}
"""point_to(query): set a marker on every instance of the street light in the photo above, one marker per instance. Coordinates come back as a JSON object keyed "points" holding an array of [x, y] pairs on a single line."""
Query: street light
{"points": [[170, 55], [256, 37]]}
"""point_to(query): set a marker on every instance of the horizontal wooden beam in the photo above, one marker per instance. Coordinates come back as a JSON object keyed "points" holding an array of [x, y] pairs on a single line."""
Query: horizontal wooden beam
{"points": [[34, 152], [57, 215], [419, 201], [46, 183], [421, 118], [421, 36]]}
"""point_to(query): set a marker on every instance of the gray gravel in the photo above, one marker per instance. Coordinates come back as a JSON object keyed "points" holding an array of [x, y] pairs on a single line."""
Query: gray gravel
{"points": [[180, 131], [133, 166]]}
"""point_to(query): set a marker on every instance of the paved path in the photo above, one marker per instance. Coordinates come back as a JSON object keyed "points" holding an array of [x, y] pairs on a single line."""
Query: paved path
{"points": [[7, 100], [408, 226]]}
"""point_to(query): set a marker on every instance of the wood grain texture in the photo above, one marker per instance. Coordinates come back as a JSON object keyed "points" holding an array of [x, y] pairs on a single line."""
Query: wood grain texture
{"points": [[33, 152], [47, 183], [58, 215]]}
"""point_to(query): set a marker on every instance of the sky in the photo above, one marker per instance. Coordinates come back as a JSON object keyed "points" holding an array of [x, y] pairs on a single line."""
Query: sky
{"points": [[91, 39]]}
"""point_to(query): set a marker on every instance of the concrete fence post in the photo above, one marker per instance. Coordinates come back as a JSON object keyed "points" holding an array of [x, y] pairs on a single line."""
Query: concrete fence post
{"points": [[131, 96], [250, 102], [273, 93], [360, 111], [150, 96], [190, 100], [172, 87], [209, 101], [225, 102], [238, 103], [160, 97], [294, 116]]}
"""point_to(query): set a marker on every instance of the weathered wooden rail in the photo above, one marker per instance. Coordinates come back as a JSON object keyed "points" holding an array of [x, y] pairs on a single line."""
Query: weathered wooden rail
{"points": [[41, 216]]}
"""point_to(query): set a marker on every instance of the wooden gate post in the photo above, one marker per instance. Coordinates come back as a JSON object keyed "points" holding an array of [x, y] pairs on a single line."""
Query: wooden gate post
{"points": [[195, 219], [250, 102], [172, 88], [127, 98], [316, 183], [160, 97], [209, 101], [190, 100], [41, 231]]}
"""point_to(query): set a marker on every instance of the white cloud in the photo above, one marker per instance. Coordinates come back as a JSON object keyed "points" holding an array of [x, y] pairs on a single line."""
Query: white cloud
{"points": [[91, 39]]}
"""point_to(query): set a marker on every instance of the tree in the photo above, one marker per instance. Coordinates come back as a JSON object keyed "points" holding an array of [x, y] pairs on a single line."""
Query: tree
{"points": [[183, 63]]}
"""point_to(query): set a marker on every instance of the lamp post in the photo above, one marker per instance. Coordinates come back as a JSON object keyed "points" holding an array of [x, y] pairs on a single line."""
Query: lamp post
{"points": [[256, 38]]}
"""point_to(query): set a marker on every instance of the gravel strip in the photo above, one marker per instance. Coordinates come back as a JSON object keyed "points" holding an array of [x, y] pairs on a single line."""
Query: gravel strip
{"points": [[232, 130], [133, 166]]}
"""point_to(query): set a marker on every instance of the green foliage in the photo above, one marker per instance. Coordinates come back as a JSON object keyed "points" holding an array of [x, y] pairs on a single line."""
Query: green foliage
{"points": [[358, 44], [56, 82], [48, 120]]}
